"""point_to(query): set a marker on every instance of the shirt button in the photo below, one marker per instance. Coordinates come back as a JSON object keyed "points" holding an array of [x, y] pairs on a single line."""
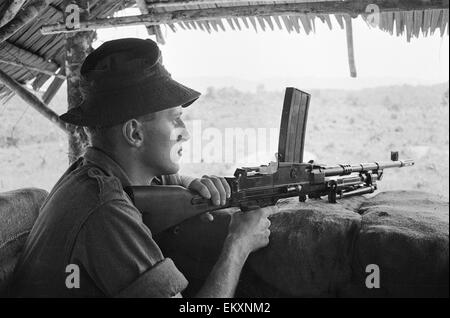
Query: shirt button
{"points": [[176, 230]]}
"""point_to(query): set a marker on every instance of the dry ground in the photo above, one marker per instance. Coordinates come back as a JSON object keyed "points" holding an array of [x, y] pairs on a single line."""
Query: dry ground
{"points": [[343, 127]]}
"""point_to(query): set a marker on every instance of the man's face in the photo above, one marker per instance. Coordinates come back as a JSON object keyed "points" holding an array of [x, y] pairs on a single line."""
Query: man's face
{"points": [[163, 138]]}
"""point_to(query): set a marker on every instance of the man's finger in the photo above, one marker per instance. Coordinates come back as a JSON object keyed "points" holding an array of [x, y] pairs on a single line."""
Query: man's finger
{"points": [[215, 196], [226, 186], [199, 187], [220, 188]]}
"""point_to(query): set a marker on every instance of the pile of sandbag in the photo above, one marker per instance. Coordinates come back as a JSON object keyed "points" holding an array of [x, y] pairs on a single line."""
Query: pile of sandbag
{"points": [[18, 212], [392, 245]]}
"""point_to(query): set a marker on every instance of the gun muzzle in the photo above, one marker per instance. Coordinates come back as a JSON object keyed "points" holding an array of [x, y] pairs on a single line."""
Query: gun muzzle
{"points": [[407, 163]]}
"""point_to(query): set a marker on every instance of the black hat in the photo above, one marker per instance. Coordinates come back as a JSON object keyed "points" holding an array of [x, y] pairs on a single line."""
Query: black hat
{"points": [[125, 79]]}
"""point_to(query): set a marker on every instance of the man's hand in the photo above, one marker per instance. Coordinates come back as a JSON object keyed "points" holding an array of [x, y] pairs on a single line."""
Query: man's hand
{"points": [[247, 232], [212, 187], [250, 230]]}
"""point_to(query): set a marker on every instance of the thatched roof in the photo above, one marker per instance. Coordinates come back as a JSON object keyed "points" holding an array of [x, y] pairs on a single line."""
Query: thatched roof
{"points": [[28, 56], [410, 22]]}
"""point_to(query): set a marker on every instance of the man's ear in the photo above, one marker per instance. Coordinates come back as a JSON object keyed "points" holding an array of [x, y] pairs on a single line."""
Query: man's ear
{"points": [[133, 133]]}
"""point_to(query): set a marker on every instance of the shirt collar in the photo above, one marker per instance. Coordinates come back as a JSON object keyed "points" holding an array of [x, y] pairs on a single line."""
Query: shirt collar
{"points": [[103, 161]]}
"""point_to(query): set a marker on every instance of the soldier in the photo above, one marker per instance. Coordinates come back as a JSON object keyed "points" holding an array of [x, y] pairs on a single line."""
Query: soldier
{"points": [[89, 226]]}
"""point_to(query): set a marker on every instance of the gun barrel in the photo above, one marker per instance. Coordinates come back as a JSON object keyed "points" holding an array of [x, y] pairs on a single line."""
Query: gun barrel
{"points": [[342, 170]]}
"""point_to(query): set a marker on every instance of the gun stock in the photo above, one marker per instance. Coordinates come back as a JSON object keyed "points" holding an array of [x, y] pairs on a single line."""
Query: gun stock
{"points": [[165, 206]]}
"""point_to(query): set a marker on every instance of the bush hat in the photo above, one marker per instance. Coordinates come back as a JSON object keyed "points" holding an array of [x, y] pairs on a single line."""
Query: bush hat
{"points": [[125, 79]]}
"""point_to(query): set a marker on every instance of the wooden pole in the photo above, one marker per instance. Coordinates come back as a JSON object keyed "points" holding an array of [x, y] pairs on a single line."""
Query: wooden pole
{"points": [[31, 68], [54, 87], [350, 7], [78, 46], [195, 3], [350, 49], [17, 54], [32, 100], [158, 34], [151, 29]]}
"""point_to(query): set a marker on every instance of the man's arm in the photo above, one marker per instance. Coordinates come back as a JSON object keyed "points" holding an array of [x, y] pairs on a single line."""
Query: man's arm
{"points": [[224, 277], [248, 232]]}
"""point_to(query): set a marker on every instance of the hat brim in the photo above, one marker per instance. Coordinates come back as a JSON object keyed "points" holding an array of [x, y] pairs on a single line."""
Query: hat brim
{"points": [[118, 106]]}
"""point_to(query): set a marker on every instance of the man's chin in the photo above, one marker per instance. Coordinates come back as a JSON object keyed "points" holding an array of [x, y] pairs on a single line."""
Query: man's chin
{"points": [[173, 169]]}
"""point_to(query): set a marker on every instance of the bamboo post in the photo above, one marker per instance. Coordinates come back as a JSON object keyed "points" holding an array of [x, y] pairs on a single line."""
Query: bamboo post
{"points": [[78, 46], [31, 68], [32, 100], [54, 87], [350, 49], [151, 29]]}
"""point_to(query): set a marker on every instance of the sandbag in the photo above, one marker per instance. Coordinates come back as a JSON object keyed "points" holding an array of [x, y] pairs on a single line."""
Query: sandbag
{"points": [[18, 212], [325, 252], [319, 249], [406, 235], [310, 249]]}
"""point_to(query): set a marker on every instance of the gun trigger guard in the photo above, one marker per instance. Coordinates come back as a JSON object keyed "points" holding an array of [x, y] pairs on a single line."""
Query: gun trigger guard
{"points": [[246, 208]]}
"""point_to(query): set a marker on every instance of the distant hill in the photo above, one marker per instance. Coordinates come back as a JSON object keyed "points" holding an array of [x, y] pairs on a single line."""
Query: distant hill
{"points": [[305, 83], [22, 123]]}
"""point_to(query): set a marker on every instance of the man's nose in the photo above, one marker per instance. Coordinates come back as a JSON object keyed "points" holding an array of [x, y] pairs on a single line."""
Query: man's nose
{"points": [[184, 135]]}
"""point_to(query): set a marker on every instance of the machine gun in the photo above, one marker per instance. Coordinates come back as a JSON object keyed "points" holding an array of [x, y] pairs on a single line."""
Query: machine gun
{"points": [[165, 206]]}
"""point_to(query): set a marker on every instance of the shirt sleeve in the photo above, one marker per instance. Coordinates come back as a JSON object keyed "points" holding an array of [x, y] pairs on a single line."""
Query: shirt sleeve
{"points": [[176, 179], [117, 251]]}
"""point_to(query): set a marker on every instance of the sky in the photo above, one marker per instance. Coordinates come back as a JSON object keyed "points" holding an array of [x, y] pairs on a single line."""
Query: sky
{"points": [[320, 57]]}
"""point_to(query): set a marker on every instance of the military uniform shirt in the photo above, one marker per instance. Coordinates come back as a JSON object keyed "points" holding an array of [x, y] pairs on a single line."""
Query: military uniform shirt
{"points": [[89, 223]]}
